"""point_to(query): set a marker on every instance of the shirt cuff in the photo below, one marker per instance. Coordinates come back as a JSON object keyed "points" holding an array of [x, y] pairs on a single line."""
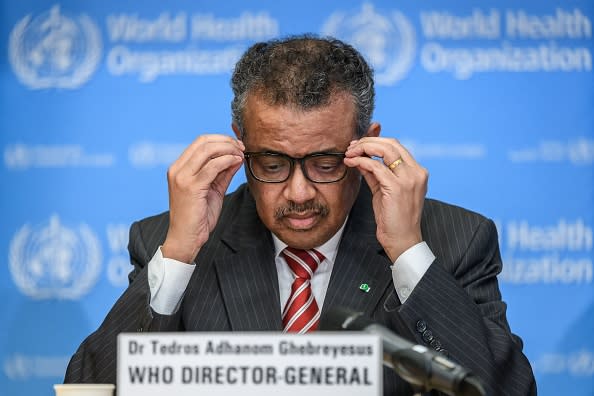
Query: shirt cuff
{"points": [[409, 268], [168, 280]]}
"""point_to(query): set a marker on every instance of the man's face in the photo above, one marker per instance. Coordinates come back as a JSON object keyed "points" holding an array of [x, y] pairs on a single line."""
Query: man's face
{"points": [[303, 214]]}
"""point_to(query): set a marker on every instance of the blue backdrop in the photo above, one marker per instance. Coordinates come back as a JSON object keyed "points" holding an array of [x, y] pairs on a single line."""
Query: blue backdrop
{"points": [[97, 98]]}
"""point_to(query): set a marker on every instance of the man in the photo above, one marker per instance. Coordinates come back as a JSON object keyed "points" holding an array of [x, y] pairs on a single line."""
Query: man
{"points": [[329, 205]]}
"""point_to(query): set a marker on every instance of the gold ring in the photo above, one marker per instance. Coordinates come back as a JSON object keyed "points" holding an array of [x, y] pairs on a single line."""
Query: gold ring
{"points": [[394, 164]]}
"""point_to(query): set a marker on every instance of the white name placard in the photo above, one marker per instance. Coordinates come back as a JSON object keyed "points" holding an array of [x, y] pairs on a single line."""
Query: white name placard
{"points": [[181, 364]]}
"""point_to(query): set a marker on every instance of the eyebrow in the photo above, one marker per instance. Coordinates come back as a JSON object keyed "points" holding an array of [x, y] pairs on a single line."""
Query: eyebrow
{"points": [[326, 151]]}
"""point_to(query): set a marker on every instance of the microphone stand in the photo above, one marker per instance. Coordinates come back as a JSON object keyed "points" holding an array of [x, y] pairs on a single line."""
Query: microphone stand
{"points": [[417, 370]]}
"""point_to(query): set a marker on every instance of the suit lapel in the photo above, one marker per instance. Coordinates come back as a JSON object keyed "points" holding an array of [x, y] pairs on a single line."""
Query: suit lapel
{"points": [[247, 275], [360, 261]]}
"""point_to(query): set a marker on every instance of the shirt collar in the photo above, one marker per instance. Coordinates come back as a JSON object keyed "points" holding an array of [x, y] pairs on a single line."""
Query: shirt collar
{"points": [[328, 249]]}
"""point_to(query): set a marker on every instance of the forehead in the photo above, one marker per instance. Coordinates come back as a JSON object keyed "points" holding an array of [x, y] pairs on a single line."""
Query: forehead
{"points": [[298, 131]]}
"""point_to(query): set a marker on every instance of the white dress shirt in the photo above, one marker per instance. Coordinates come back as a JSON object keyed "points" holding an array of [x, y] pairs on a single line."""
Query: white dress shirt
{"points": [[168, 278]]}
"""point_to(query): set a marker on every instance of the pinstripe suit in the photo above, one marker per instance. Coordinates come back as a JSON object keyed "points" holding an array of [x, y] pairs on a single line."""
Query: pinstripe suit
{"points": [[235, 288]]}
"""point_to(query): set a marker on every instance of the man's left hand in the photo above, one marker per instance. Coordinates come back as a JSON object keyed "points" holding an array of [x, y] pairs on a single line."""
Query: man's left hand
{"points": [[398, 185]]}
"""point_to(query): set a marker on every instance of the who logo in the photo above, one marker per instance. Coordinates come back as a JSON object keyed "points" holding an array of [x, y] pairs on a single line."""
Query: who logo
{"points": [[388, 41], [54, 50], [54, 261]]}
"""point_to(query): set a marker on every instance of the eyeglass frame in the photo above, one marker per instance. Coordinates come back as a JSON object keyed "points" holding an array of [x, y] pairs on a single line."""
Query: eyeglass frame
{"points": [[301, 160]]}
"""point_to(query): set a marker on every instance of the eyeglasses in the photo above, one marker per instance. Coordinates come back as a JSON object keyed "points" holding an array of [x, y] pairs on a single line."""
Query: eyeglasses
{"points": [[270, 167]]}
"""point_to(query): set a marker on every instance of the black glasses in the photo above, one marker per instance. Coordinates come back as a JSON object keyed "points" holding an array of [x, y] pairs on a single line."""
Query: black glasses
{"points": [[270, 167]]}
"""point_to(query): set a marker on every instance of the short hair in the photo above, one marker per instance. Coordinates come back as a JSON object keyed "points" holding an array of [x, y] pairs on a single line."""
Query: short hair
{"points": [[303, 71]]}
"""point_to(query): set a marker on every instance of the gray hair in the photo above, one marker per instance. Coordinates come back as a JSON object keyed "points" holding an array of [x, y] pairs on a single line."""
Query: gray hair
{"points": [[303, 71]]}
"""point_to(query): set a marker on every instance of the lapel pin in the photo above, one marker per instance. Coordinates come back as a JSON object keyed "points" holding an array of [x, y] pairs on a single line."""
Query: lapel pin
{"points": [[365, 287]]}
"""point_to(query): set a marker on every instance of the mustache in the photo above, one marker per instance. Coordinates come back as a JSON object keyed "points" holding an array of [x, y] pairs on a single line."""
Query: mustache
{"points": [[294, 208]]}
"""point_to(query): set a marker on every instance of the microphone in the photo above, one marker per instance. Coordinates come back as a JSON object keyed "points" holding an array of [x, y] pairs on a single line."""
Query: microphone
{"points": [[422, 367]]}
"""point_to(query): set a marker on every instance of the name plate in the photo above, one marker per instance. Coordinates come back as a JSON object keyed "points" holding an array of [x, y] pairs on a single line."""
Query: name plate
{"points": [[323, 363]]}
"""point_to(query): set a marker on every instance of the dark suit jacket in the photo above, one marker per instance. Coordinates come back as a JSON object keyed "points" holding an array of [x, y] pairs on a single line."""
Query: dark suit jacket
{"points": [[455, 308]]}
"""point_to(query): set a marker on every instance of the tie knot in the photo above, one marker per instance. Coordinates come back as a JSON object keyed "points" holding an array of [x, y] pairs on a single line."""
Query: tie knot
{"points": [[303, 263]]}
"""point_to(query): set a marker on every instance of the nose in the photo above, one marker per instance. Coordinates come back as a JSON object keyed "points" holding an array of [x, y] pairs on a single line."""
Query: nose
{"points": [[298, 189]]}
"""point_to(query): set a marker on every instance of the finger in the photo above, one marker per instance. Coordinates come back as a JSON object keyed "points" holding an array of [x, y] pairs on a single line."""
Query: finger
{"points": [[374, 147], [371, 180], [204, 178], [200, 143], [405, 154], [368, 164], [403, 176], [216, 166], [205, 153], [389, 149], [375, 150], [384, 176], [222, 181], [211, 151]]}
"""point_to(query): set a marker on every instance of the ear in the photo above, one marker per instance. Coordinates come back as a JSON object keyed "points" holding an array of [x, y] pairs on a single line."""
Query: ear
{"points": [[374, 130], [236, 131]]}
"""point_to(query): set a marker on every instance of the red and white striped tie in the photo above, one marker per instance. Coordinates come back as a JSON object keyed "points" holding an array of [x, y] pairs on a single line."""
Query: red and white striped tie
{"points": [[301, 314]]}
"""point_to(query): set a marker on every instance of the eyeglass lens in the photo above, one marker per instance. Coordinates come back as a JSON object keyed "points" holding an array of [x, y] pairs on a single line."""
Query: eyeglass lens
{"points": [[277, 168]]}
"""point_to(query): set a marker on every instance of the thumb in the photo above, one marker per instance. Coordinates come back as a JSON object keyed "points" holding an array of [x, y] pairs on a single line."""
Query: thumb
{"points": [[371, 180], [223, 179]]}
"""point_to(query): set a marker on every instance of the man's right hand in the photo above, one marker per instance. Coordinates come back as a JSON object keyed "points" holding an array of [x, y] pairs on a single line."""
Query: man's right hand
{"points": [[198, 180]]}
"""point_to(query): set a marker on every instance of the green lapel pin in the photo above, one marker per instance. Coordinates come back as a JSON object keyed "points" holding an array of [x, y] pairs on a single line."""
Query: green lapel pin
{"points": [[365, 287]]}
